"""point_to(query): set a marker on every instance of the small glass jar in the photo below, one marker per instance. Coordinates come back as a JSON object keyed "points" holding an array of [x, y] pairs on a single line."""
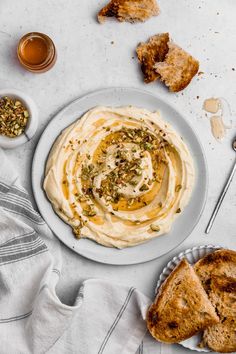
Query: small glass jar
{"points": [[36, 52]]}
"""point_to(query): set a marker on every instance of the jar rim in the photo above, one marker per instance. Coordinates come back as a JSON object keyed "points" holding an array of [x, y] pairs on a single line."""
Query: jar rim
{"points": [[49, 58]]}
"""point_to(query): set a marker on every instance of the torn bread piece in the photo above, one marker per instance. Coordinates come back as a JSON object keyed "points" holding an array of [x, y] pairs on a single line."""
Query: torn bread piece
{"points": [[221, 262], [178, 68], [152, 52], [221, 337], [181, 308], [129, 10]]}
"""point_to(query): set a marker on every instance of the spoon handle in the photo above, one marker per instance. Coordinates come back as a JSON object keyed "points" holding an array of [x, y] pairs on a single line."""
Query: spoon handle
{"points": [[220, 200]]}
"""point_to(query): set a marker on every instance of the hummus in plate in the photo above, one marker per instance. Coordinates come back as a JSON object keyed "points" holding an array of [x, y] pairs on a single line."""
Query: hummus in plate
{"points": [[119, 176]]}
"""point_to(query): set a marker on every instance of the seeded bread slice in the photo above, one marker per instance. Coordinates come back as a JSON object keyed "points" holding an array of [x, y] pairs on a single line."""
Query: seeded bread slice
{"points": [[178, 68], [221, 337], [222, 262], [152, 52], [181, 308], [129, 10]]}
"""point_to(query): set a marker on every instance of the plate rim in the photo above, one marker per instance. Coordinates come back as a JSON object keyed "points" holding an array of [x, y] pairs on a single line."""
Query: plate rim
{"points": [[101, 91]]}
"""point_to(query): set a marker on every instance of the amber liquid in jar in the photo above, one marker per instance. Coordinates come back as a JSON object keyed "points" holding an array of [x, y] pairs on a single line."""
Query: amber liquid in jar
{"points": [[36, 52]]}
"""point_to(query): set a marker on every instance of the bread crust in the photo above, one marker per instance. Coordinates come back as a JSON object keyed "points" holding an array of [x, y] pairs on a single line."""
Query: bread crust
{"points": [[129, 10], [181, 308], [221, 337], [151, 52], [178, 68]]}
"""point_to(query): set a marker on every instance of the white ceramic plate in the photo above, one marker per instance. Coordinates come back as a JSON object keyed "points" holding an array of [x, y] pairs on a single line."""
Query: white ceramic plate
{"points": [[192, 255], [156, 247]]}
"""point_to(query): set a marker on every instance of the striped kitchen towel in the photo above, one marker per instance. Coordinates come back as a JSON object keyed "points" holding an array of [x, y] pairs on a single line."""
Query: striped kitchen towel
{"points": [[107, 318]]}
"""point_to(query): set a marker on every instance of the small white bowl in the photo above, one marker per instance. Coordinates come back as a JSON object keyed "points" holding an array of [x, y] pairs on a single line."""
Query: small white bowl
{"points": [[32, 124]]}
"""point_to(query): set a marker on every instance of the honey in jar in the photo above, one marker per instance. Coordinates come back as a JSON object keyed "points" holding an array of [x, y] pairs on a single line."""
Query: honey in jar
{"points": [[36, 52]]}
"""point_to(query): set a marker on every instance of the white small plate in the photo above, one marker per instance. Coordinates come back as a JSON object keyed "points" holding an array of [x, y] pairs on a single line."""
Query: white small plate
{"points": [[192, 255], [32, 124], [182, 227]]}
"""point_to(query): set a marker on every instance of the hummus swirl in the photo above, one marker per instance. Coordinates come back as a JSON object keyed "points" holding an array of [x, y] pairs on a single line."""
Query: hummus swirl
{"points": [[119, 176]]}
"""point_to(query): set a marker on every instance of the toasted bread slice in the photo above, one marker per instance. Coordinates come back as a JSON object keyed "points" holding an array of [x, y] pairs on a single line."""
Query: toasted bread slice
{"points": [[221, 337], [129, 10], [178, 68], [222, 262], [152, 52], [181, 308]]}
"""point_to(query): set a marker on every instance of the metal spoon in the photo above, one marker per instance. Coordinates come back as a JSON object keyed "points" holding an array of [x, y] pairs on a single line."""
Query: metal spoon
{"points": [[222, 195]]}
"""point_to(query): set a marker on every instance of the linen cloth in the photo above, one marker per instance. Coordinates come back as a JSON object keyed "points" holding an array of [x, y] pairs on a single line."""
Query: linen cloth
{"points": [[106, 318]]}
